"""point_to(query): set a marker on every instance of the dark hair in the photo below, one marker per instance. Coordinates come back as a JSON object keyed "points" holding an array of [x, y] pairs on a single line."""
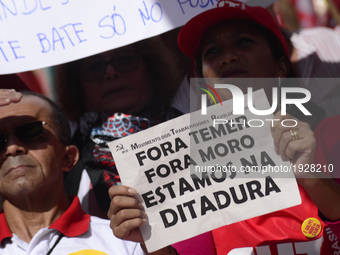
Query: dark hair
{"points": [[58, 117], [275, 46], [160, 65]]}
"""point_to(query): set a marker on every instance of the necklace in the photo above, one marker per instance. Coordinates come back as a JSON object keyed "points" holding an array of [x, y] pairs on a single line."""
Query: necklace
{"points": [[61, 235]]}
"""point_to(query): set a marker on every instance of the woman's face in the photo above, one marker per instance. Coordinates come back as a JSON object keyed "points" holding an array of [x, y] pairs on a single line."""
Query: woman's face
{"points": [[237, 49], [116, 81]]}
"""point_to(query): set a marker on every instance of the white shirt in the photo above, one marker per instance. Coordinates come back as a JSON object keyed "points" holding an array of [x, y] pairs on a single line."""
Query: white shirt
{"points": [[84, 235]]}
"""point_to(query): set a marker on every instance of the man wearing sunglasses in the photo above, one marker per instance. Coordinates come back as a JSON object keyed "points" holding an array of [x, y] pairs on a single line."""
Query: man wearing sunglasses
{"points": [[38, 217]]}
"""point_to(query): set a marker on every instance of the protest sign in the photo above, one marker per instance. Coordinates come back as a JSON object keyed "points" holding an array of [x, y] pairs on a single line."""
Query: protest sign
{"points": [[191, 176], [40, 33]]}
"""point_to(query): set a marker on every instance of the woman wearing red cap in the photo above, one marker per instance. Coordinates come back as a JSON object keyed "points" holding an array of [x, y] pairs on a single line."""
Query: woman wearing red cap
{"points": [[238, 41]]}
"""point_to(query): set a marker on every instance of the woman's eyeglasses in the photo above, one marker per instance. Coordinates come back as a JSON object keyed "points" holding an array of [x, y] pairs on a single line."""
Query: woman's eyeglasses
{"points": [[123, 61], [27, 131]]}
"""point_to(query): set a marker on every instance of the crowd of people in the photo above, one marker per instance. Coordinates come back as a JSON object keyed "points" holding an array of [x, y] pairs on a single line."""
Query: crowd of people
{"points": [[60, 187]]}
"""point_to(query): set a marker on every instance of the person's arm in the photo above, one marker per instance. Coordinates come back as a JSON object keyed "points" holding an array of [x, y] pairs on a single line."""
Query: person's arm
{"points": [[8, 96], [323, 191], [126, 215]]}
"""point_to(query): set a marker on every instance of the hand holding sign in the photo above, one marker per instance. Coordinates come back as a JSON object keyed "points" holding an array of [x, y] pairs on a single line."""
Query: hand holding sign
{"points": [[126, 213], [296, 144]]}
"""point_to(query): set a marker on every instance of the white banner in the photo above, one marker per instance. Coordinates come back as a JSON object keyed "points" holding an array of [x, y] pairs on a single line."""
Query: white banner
{"points": [[191, 176], [41, 33]]}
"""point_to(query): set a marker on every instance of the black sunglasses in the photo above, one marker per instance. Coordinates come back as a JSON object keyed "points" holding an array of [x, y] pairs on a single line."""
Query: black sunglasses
{"points": [[28, 131], [94, 69]]}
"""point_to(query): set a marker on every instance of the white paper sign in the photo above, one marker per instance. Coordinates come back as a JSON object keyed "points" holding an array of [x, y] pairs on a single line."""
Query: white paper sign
{"points": [[41, 33], [157, 162]]}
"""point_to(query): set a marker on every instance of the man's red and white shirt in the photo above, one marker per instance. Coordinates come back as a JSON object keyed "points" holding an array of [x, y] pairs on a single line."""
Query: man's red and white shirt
{"points": [[83, 235]]}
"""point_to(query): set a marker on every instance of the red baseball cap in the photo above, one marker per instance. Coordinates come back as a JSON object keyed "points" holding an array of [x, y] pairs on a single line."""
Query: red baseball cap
{"points": [[190, 36]]}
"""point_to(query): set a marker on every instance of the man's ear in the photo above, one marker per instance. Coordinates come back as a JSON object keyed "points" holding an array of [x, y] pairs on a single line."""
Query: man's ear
{"points": [[283, 67], [71, 157]]}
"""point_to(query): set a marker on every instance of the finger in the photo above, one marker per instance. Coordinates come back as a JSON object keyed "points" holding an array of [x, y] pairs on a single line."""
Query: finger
{"points": [[302, 149], [292, 149], [8, 96], [121, 190], [121, 202], [278, 118], [125, 230], [127, 220], [128, 214], [280, 127], [285, 125], [288, 141]]}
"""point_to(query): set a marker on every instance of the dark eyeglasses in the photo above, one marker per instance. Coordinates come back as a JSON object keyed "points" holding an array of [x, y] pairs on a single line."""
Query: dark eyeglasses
{"points": [[27, 131], [123, 61]]}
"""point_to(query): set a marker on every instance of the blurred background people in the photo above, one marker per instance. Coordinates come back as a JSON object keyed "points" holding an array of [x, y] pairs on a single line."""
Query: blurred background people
{"points": [[109, 96]]}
